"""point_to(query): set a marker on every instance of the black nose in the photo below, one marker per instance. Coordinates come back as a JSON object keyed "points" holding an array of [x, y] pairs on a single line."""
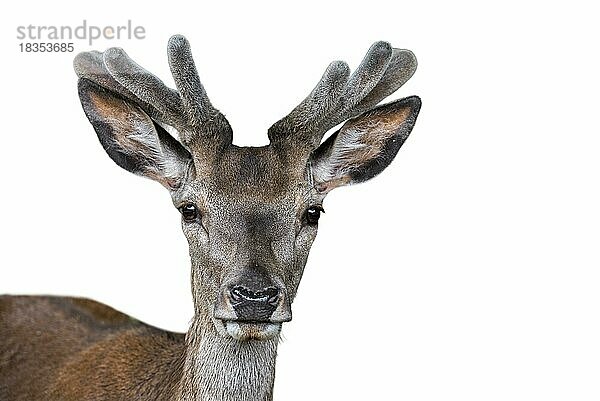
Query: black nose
{"points": [[254, 305]]}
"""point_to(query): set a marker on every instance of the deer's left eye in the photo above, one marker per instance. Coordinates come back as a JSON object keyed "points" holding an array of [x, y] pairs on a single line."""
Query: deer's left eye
{"points": [[189, 212], [313, 213]]}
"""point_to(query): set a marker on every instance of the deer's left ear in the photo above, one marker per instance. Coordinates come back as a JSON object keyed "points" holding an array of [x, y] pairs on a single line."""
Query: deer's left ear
{"points": [[365, 145]]}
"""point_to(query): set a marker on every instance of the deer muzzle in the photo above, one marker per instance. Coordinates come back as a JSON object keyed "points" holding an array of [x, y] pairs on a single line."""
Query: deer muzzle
{"points": [[253, 297]]}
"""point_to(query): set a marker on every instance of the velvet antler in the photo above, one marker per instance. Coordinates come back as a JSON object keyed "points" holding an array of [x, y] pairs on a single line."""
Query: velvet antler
{"points": [[339, 96], [186, 109]]}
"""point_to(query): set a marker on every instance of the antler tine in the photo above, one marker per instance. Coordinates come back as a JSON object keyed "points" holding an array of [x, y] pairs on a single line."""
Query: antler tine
{"points": [[200, 113], [366, 77], [326, 111], [145, 86], [361, 83], [401, 67], [317, 105]]}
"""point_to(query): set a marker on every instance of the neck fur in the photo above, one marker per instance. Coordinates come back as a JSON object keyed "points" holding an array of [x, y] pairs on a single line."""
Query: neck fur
{"points": [[224, 369]]}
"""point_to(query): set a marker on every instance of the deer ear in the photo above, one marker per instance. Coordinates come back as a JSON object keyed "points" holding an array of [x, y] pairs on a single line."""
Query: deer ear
{"points": [[131, 138], [365, 145]]}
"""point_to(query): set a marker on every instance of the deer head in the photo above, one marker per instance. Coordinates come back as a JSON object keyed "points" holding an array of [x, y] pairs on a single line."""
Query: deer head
{"points": [[250, 214]]}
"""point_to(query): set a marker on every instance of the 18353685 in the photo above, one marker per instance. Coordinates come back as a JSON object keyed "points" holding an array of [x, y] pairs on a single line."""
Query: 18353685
{"points": [[46, 47]]}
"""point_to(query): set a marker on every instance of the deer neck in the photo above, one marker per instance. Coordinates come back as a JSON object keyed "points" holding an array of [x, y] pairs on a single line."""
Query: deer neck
{"points": [[219, 368]]}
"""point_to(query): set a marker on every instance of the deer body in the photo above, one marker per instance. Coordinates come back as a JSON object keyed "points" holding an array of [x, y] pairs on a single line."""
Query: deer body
{"points": [[249, 214]]}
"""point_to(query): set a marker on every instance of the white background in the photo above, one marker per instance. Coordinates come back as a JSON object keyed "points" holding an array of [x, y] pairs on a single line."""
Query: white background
{"points": [[475, 253]]}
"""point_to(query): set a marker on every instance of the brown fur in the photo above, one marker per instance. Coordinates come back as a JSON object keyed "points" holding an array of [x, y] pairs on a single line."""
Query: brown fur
{"points": [[77, 349]]}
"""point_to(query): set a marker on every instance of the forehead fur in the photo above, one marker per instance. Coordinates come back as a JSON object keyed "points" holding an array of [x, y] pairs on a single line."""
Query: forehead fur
{"points": [[259, 171]]}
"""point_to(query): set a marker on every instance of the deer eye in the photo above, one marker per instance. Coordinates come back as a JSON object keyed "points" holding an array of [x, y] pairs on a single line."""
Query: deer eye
{"points": [[189, 212], [313, 213]]}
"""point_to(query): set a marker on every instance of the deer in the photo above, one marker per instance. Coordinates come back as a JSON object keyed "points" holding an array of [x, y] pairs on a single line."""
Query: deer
{"points": [[250, 216]]}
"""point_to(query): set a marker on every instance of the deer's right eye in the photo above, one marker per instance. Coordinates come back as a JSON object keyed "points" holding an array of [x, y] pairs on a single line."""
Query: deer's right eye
{"points": [[189, 212]]}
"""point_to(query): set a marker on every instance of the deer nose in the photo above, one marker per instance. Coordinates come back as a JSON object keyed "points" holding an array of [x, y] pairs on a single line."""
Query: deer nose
{"points": [[254, 305], [269, 294]]}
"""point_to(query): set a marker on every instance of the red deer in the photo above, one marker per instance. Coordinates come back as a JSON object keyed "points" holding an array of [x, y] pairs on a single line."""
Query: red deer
{"points": [[250, 215]]}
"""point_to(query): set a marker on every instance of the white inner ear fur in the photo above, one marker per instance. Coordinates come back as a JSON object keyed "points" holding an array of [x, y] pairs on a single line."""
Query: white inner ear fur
{"points": [[358, 142], [140, 137]]}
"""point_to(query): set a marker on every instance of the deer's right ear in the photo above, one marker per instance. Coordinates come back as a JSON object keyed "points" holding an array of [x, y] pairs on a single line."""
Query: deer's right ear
{"points": [[131, 138]]}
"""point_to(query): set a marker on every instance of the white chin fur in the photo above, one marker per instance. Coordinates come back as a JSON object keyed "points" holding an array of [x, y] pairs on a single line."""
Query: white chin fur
{"points": [[252, 331]]}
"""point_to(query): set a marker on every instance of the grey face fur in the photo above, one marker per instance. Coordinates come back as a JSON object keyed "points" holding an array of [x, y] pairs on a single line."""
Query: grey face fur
{"points": [[248, 212]]}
